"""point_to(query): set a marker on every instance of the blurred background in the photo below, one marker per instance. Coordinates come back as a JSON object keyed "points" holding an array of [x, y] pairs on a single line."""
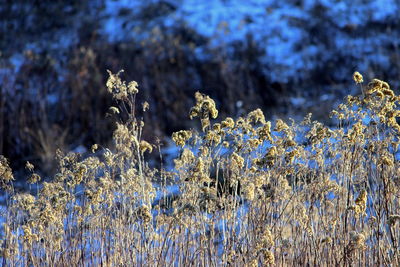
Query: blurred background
{"points": [[288, 57]]}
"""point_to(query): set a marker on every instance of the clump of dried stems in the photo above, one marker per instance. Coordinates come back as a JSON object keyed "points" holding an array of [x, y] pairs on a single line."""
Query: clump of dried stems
{"points": [[251, 193]]}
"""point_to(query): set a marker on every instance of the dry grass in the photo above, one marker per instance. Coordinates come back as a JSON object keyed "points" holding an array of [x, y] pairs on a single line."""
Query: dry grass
{"points": [[252, 193]]}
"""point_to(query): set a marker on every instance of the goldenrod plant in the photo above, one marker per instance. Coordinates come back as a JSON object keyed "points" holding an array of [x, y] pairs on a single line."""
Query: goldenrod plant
{"points": [[251, 192]]}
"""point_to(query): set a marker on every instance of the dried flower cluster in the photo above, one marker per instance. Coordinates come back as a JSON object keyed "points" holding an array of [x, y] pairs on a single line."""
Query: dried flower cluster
{"points": [[6, 175], [204, 109]]}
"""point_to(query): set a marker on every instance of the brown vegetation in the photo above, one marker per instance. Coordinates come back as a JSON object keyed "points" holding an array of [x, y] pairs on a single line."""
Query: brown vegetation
{"points": [[252, 193]]}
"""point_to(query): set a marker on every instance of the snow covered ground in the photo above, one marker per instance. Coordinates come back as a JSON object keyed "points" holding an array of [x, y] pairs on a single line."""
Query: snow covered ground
{"points": [[297, 38], [283, 29]]}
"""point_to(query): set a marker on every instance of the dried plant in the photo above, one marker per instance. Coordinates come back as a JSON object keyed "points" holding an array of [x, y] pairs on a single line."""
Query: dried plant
{"points": [[251, 192]]}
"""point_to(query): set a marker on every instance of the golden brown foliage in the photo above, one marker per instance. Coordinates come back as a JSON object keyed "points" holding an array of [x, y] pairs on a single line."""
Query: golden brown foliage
{"points": [[251, 193]]}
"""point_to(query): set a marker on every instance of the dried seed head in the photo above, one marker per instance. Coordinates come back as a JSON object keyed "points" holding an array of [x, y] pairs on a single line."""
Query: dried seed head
{"points": [[357, 77], [118, 88], [145, 106], [213, 136], [264, 132], [228, 123], [256, 116], [181, 137], [94, 148], [204, 108], [237, 160], [29, 166], [269, 258], [387, 160], [114, 110], [267, 239], [133, 87], [393, 219], [144, 214], [217, 127], [280, 125], [357, 241], [24, 201], [34, 178], [145, 146], [249, 191], [361, 201], [6, 176]]}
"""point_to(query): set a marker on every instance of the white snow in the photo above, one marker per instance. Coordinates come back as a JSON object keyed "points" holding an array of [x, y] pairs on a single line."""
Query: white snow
{"points": [[276, 26]]}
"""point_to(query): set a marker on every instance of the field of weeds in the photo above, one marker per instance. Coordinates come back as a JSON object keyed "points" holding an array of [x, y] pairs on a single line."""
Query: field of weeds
{"points": [[243, 192]]}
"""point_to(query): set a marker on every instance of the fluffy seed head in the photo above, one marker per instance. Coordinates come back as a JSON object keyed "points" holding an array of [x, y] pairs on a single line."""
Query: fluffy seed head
{"points": [[357, 77]]}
